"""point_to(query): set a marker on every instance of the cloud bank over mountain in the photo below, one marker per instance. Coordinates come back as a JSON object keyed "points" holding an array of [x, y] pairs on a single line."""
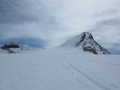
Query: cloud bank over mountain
{"points": [[55, 21]]}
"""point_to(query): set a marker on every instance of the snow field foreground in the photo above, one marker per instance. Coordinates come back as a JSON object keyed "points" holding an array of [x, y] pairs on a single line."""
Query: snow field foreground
{"points": [[59, 69]]}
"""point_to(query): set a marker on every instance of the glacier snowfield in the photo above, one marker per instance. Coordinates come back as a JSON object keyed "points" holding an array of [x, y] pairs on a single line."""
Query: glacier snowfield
{"points": [[59, 69]]}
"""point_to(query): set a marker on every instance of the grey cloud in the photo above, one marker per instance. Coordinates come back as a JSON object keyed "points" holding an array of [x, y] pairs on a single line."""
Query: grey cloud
{"points": [[107, 32], [17, 11], [23, 19], [108, 12], [11, 11]]}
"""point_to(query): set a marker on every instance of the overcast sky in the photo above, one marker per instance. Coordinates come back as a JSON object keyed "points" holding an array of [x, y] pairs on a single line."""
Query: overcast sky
{"points": [[51, 22]]}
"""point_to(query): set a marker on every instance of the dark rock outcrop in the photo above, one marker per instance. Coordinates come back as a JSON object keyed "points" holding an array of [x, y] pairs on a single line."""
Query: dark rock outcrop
{"points": [[88, 48], [9, 45]]}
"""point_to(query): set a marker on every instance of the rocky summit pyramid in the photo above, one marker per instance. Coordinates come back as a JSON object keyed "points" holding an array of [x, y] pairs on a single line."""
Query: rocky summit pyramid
{"points": [[86, 42]]}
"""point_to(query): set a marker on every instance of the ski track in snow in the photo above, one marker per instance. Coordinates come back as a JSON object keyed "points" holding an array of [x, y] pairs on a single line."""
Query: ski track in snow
{"points": [[93, 81]]}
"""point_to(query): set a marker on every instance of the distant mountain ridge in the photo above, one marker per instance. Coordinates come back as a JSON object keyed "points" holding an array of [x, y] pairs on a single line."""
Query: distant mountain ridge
{"points": [[12, 48], [10, 45], [86, 42]]}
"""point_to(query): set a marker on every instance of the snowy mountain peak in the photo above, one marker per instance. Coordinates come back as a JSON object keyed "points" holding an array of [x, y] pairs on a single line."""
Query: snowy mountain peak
{"points": [[84, 37], [88, 35], [86, 42]]}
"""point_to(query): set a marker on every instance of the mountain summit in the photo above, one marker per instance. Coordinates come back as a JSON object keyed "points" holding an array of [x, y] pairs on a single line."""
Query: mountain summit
{"points": [[12, 48], [10, 45], [86, 42]]}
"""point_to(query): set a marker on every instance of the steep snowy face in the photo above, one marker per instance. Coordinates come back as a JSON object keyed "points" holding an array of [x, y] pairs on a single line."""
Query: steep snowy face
{"points": [[86, 42]]}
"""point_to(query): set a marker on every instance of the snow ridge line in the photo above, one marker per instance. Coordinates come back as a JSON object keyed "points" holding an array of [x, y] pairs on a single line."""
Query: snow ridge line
{"points": [[95, 82]]}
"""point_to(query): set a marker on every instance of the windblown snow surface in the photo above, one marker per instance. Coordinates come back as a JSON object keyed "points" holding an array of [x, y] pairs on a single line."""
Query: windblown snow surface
{"points": [[59, 69]]}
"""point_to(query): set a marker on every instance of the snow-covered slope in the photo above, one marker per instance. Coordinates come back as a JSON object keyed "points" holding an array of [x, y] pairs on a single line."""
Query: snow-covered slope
{"points": [[14, 50], [59, 69], [86, 42], [3, 51]]}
